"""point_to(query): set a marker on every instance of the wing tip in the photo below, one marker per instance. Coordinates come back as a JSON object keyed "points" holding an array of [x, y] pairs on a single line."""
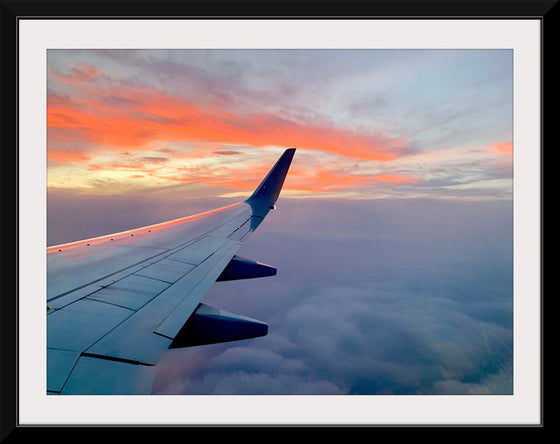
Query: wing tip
{"points": [[270, 187]]}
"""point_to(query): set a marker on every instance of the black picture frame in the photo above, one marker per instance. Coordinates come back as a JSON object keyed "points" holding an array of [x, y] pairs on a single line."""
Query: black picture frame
{"points": [[13, 11]]}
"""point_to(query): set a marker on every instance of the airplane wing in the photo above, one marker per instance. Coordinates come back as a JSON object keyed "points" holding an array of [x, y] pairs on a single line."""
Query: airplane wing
{"points": [[116, 303]]}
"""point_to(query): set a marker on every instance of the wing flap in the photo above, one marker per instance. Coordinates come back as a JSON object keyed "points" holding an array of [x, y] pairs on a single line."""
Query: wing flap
{"points": [[132, 292], [59, 365], [97, 376], [166, 270], [82, 323], [173, 323], [145, 336]]}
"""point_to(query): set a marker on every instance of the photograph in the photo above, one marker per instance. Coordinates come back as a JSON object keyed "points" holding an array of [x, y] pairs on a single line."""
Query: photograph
{"points": [[279, 222], [392, 234]]}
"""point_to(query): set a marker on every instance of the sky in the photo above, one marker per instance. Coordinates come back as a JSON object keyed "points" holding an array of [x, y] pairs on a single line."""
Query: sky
{"points": [[367, 123], [393, 236]]}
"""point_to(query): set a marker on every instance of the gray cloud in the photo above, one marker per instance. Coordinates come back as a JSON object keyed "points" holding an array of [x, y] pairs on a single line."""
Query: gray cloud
{"points": [[227, 153], [401, 302]]}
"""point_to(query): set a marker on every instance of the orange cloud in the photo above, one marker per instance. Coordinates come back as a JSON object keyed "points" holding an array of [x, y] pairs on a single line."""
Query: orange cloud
{"points": [[66, 156], [503, 147], [227, 177], [130, 118], [325, 180], [320, 180]]}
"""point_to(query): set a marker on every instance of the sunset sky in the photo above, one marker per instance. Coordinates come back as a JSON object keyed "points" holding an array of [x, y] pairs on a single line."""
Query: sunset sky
{"points": [[393, 236], [367, 123]]}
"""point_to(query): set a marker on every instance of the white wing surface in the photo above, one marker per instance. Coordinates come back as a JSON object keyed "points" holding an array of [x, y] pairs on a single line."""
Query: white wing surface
{"points": [[116, 303]]}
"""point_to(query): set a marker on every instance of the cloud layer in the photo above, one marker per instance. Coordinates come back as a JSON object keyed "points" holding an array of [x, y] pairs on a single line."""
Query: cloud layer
{"points": [[393, 297], [394, 302]]}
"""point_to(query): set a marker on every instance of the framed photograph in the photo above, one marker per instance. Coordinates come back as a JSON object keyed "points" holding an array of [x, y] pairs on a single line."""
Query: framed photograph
{"points": [[386, 161]]}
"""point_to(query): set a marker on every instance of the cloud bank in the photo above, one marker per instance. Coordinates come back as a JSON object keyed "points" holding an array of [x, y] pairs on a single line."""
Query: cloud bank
{"points": [[378, 297]]}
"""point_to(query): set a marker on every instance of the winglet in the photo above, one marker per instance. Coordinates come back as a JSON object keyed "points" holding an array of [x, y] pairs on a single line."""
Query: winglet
{"points": [[269, 189]]}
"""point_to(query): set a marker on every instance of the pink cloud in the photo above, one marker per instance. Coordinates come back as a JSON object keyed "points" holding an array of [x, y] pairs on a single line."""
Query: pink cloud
{"points": [[503, 147], [131, 117]]}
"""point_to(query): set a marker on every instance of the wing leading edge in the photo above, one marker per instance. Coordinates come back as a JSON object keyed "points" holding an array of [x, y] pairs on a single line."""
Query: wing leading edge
{"points": [[116, 303]]}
